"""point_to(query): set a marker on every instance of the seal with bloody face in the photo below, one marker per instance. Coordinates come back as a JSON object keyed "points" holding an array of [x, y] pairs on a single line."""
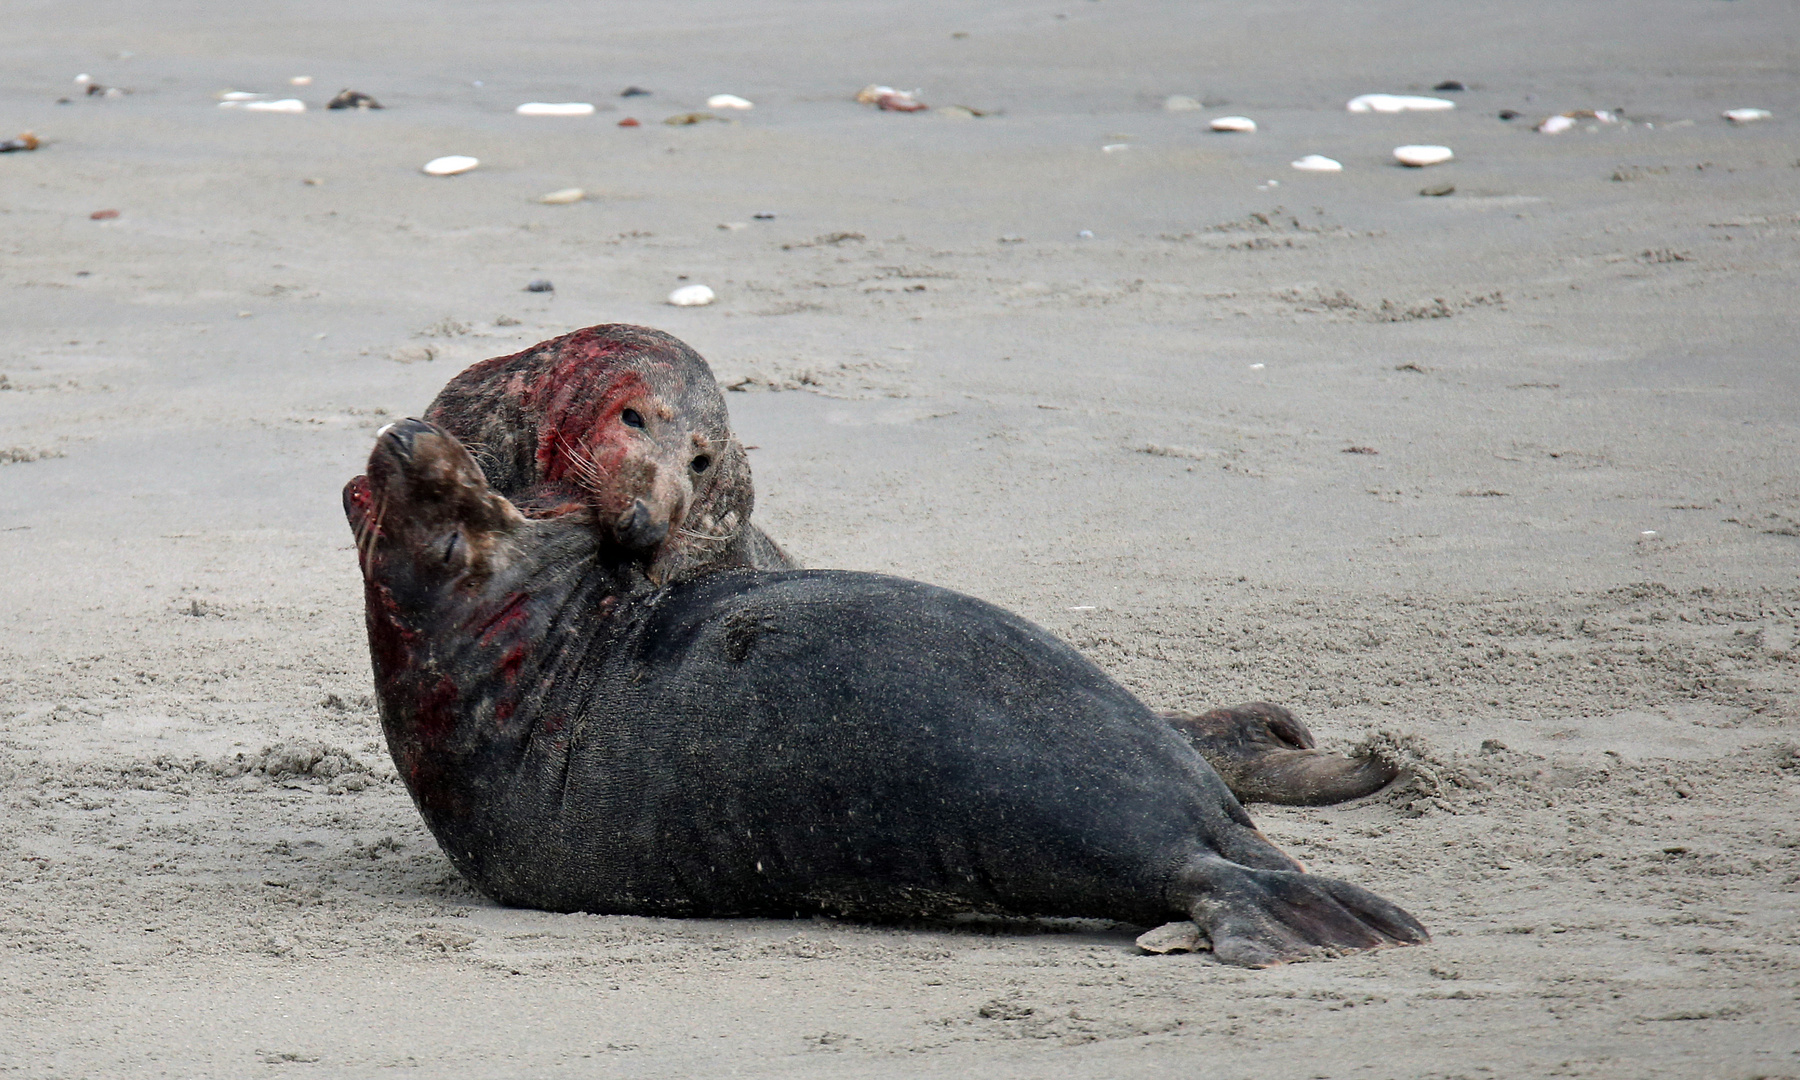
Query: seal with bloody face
{"points": [[626, 425], [578, 737]]}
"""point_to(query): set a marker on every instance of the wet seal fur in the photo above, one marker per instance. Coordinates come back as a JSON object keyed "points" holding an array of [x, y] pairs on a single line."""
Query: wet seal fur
{"points": [[628, 423], [766, 743]]}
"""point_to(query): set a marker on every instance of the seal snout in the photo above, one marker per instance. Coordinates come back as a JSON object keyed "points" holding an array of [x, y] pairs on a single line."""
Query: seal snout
{"points": [[399, 436], [639, 528]]}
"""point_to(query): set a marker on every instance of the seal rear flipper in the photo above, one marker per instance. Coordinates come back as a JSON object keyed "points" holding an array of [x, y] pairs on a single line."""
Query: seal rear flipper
{"points": [[1258, 918], [1265, 754]]}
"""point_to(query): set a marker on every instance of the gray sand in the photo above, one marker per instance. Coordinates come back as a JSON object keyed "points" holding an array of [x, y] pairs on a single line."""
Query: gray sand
{"points": [[1563, 584]]}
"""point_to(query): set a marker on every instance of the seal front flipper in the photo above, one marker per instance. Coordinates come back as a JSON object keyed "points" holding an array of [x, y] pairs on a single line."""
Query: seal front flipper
{"points": [[1259, 918], [1265, 754]]}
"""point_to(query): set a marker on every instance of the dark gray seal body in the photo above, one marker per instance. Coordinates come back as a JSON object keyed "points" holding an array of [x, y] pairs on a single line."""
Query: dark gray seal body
{"points": [[750, 742]]}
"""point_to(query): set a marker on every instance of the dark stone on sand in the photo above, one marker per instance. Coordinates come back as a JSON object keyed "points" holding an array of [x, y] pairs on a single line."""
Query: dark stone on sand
{"points": [[539, 285]]}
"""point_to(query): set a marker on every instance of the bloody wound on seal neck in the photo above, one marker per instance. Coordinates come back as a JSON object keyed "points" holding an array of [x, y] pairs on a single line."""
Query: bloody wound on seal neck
{"points": [[452, 657]]}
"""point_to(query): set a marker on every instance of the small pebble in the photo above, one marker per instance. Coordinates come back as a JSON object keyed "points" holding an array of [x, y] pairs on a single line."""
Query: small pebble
{"points": [[629, 121], [25, 141], [300, 80], [728, 101], [692, 296], [1747, 116], [1420, 156], [763, 215], [539, 285], [1438, 189], [351, 99], [1393, 103], [1449, 86], [634, 91], [563, 197], [312, 181], [687, 119], [103, 215], [1233, 123], [1257, 367], [1318, 163], [1509, 114], [1181, 103], [450, 165], [560, 108]]}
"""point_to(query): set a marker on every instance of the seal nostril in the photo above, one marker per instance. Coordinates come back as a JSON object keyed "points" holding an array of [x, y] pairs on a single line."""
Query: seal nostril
{"points": [[631, 418], [700, 463]]}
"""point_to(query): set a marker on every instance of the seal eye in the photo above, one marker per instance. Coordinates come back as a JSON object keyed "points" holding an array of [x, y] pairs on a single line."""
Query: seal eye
{"points": [[631, 418], [450, 545], [700, 463]]}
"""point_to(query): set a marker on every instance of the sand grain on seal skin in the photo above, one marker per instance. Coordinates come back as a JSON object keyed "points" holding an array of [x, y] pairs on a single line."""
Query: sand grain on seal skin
{"points": [[1603, 730]]}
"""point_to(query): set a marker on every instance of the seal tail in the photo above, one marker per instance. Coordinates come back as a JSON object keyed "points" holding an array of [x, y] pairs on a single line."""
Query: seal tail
{"points": [[1259, 918], [1265, 754]]}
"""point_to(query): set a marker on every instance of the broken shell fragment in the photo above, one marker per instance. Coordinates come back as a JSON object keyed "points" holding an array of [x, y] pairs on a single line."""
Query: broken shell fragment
{"points": [[1564, 121], [351, 99], [103, 215], [1747, 116], [450, 165], [728, 101], [1233, 123], [300, 80], [1172, 938], [223, 95], [25, 141], [690, 118], [1318, 163], [1393, 103], [285, 105], [563, 197], [561, 108], [889, 99], [692, 296], [1438, 190], [1420, 156]]}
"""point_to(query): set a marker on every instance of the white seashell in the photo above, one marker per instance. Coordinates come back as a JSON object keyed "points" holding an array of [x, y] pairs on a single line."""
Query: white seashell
{"points": [[1180, 103], [285, 105], [1233, 123], [728, 101], [1420, 156], [83, 79], [300, 80], [1318, 163], [451, 165], [565, 108], [1556, 125], [1393, 103], [564, 197], [692, 296], [237, 95], [1746, 116], [1113, 148]]}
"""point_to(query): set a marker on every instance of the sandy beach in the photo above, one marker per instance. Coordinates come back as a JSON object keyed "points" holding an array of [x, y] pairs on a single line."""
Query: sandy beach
{"points": [[1505, 481]]}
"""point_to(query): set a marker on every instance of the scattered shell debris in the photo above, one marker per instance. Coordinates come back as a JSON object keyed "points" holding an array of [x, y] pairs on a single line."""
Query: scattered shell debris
{"points": [[889, 99], [1394, 103], [353, 99], [1418, 157], [450, 165], [1181, 103], [692, 296], [1562, 122], [555, 108], [1318, 163], [563, 197], [1233, 123], [1747, 116], [25, 141], [728, 101], [539, 285], [283, 105]]}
